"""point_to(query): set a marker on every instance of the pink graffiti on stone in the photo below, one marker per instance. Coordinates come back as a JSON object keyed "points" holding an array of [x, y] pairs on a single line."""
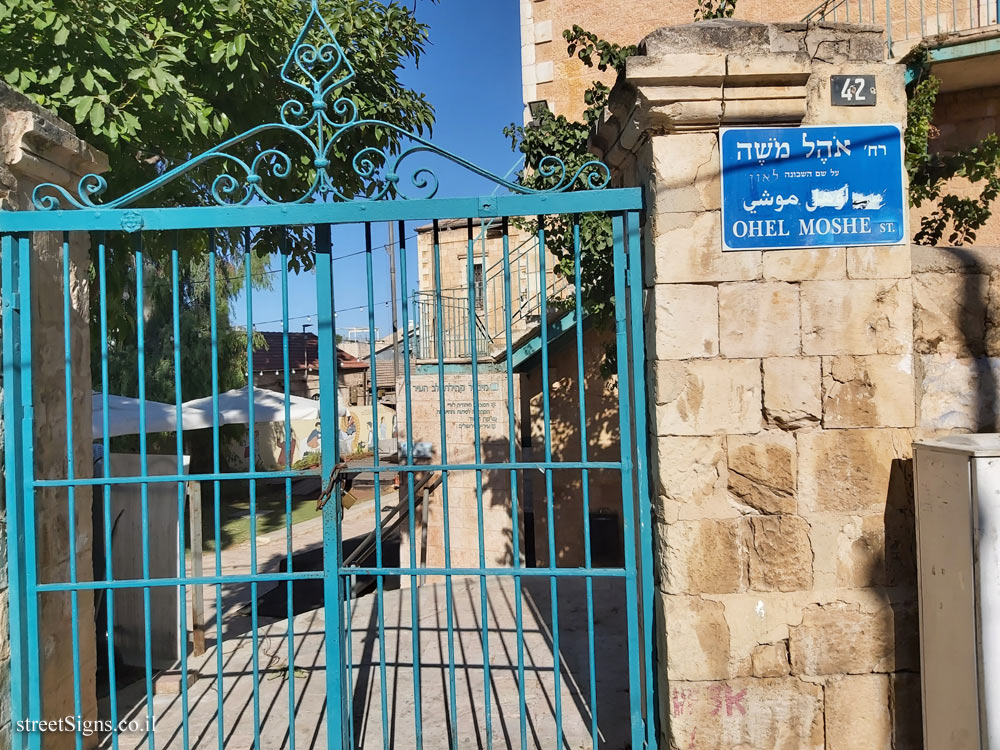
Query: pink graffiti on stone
{"points": [[723, 695], [680, 699]]}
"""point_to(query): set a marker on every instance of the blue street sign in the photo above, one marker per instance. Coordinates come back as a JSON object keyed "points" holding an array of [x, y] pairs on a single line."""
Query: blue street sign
{"points": [[829, 186]]}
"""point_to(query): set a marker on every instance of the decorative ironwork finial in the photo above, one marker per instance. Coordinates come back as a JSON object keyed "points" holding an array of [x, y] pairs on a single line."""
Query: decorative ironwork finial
{"points": [[317, 119]]}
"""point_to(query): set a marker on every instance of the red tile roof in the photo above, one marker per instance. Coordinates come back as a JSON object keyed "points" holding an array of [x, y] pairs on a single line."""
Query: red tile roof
{"points": [[303, 353]]}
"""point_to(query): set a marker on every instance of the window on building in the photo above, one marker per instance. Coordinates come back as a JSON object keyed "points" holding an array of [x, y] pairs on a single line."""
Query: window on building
{"points": [[477, 283]]}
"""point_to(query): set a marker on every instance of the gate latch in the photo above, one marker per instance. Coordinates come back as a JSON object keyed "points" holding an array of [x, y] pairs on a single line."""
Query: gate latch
{"points": [[340, 476]]}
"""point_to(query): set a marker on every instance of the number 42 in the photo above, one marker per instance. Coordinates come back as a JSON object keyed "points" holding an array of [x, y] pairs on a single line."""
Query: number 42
{"points": [[854, 88]]}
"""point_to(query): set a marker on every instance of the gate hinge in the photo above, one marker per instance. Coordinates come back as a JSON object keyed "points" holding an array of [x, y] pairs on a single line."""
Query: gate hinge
{"points": [[12, 302]]}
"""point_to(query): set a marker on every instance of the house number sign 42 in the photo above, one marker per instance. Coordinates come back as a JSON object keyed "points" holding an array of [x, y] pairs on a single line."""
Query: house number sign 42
{"points": [[852, 91]]}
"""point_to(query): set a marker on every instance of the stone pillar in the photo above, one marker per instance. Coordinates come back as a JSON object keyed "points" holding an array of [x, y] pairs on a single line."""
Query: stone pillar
{"points": [[37, 147], [782, 396]]}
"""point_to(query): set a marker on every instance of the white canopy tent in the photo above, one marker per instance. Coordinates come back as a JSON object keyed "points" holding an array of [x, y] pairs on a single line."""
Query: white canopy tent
{"points": [[268, 406], [234, 408]]}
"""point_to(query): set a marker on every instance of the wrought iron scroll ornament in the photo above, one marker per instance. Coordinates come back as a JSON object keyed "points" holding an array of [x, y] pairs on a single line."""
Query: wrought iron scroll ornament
{"points": [[316, 69]]}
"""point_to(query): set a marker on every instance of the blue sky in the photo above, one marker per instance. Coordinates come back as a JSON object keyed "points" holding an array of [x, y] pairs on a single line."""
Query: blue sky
{"points": [[471, 74]]}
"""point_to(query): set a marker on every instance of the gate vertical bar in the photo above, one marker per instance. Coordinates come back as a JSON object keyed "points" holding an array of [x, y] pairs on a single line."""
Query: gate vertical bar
{"points": [[71, 490], [628, 497], [477, 440], [452, 694], [515, 512], [289, 536], [28, 489], [140, 327], [217, 490], [585, 478], [102, 269], [336, 702], [418, 728], [379, 579], [181, 486], [13, 447], [642, 465], [543, 329], [252, 448]]}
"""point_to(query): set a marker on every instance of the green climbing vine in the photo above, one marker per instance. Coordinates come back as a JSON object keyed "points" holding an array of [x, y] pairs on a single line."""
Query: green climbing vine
{"points": [[930, 173], [567, 139], [709, 9]]}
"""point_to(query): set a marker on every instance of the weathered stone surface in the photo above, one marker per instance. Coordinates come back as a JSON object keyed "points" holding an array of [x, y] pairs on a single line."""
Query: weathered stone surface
{"points": [[744, 714], [677, 68], [762, 471], [716, 35], [850, 471], [685, 321], [879, 262], [842, 638], [771, 660], [691, 479], [856, 317], [707, 397], [698, 643], [687, 173], [949, 313], [869, 391], [780, 554], [927, 259], [992, 341], [687, 247], [759, 320], [792, 396], [808, 264], [702, 557], [861, 552], [958, 394], [857, 713]]}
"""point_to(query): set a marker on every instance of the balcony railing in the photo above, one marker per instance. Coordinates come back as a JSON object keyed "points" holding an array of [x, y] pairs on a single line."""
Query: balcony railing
{"points": [[907, 22], [489, 307]]}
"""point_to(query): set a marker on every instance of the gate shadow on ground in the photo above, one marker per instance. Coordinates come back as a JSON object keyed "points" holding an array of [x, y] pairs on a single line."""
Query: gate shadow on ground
{"points": [[578, 705]]}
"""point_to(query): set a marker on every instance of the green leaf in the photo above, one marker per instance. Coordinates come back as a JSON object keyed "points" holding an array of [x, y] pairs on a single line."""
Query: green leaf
{"points": [[82, 108], [61, 36], [104, 44], [97, 116]]}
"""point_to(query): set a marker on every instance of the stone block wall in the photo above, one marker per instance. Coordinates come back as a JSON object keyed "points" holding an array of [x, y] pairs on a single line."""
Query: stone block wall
{"points": [[782, 401], [469, 499], [956, 338], [602, 431], [37, 147], [547, 72]]}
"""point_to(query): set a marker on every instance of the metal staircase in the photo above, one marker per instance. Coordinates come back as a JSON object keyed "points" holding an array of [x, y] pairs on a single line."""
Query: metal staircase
{"points": [[452, 306]]}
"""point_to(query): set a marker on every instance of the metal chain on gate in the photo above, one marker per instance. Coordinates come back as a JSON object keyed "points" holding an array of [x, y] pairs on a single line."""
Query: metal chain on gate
{"points": [[337, 475]]}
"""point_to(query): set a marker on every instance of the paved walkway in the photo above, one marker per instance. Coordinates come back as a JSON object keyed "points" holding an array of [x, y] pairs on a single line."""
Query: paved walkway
{"points": [[369, 727], [271, 553]]}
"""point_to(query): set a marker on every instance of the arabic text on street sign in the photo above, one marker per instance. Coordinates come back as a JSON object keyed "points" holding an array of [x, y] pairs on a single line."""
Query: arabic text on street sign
{"points": [[825, 186]]}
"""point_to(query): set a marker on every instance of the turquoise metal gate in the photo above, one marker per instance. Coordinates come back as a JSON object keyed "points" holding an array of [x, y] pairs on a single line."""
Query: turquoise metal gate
{"points": [[577, 638]]}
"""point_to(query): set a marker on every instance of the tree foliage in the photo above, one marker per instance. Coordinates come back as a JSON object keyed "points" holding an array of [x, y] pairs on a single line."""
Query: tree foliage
{"points": [[154, 82], [151, 82], [930, 173], [710, 9]]}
